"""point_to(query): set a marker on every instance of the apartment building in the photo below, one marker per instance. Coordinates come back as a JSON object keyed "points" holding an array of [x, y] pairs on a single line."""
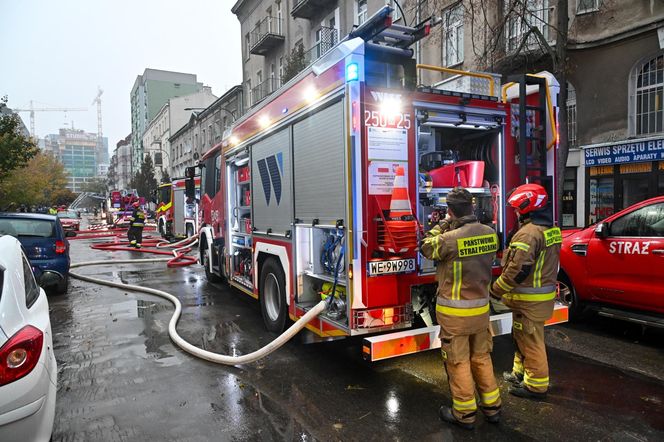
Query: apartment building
{"points": [[172, 116], [150, 92], [120, 168], [203, 130]]}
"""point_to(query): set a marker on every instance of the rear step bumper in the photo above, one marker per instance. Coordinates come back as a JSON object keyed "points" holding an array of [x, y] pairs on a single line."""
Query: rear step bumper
{"points": [[390, 345], [624, 315]]}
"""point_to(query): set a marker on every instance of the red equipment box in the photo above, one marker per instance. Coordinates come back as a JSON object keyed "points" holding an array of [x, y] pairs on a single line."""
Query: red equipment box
{"points": [[246, 200], [243, 174], [463, 173], [247, 225]]}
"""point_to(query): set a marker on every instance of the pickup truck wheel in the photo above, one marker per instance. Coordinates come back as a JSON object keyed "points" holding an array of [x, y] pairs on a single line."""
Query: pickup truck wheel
{"points": [[205, 260], [272, 295], [568, 295]]}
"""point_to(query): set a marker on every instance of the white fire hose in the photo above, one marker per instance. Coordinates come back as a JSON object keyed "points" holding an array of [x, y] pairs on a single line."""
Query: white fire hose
{"points": [[172, 325]]}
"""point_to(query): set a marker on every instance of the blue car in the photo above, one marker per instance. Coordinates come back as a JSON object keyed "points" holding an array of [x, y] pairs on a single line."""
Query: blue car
{"points": [[45, 244]]}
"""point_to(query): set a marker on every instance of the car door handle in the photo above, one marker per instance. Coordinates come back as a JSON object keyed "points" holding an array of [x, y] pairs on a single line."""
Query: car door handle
{"points": [[658, 252]]}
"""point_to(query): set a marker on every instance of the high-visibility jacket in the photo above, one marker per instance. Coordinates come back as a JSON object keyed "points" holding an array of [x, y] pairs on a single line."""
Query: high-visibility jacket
{"points": [[464, 253], [530, 270], [137, 218]]}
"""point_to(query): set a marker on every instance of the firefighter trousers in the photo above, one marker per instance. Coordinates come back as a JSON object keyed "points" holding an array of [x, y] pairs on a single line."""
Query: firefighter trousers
{"points": [[530, 361], [135, 236], [468, 365]]}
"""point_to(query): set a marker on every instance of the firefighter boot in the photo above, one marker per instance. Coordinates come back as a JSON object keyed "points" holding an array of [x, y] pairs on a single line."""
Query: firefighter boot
{"points": [[138, 245], [521, 390], [446, 415], [512, 377]]}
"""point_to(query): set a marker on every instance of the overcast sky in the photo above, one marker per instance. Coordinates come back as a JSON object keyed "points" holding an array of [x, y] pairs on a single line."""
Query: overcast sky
{"points": [[56, 53]]}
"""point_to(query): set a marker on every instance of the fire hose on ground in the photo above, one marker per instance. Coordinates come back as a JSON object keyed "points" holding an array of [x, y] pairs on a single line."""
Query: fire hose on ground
{"points": [[178, 255]]}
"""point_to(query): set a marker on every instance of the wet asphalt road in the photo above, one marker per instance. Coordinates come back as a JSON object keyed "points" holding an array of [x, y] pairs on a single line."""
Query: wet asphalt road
{"points": [[121, 378]]}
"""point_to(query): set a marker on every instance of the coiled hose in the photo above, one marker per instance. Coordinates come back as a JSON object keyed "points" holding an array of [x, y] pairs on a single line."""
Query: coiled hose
{"points": [[172, 325]]}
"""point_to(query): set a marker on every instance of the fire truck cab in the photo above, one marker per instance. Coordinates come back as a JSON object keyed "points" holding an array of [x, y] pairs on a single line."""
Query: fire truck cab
{"points": [[177, 213], [296, 200]]}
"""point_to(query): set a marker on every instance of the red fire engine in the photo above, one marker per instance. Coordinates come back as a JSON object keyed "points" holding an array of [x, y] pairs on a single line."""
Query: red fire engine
{"points": [[177, 214], [324, 188]]}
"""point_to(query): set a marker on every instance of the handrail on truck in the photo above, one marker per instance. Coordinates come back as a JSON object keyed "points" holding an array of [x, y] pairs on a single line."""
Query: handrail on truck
{"points": [[428, 67], [549, 105]]}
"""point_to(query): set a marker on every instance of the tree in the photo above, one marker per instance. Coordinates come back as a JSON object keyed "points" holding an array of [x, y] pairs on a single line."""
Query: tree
{"points": [[41, 182], [294, 64], [144, 180], [510, 39], [96, 185], [16, 149]]}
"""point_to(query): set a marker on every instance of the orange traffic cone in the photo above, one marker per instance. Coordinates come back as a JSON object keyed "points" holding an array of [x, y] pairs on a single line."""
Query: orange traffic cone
{"points": [[400, 204]]}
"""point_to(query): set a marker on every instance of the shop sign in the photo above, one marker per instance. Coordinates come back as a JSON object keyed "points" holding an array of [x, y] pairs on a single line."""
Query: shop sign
{"points": [[627, 152]]}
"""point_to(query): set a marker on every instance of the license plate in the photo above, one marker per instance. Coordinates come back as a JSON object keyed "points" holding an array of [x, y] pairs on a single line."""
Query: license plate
{"points": [[391, 266]]}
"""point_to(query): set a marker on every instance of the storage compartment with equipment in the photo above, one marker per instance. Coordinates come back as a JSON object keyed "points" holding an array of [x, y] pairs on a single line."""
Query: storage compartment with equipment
{"points": [[322, 271], [239, 198]]}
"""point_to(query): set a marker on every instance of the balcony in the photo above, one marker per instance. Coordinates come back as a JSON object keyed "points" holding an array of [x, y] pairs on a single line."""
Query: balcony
{"points": [[262, 90], [327, 39], [308, 8], [267, 35]]}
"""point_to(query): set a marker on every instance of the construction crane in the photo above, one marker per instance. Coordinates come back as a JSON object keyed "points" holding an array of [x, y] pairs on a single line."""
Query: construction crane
{"points": [[97, 100], [33, 109]]}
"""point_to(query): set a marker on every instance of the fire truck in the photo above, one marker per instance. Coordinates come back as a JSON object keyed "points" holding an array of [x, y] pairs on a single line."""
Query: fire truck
{"points": [[296, 199], [118, 204], [176, 214]]}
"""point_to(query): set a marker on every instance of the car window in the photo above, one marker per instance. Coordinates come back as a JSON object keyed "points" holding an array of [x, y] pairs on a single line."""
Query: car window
{"points": [[67, 215], [27, 227], [31, 287], [647, 221]]}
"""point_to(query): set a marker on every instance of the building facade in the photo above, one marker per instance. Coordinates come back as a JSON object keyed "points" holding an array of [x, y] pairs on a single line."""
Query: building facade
{"points": [[78, 151], [120, 168], [204, 130], [171, 117], [150, 92]]}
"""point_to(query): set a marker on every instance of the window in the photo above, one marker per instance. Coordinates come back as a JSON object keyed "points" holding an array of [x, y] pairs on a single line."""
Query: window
{"points": [[249, 94], [601, 199], [453, 35], [268, 15], [571, 116], [217, 173], [279, 17], [281, 67], [247, 45], [361, 6], [530, 13], [584, 6], [647, 221], [259, 77], [648, 96], [209, 134], [31, 287], [569, 198]]}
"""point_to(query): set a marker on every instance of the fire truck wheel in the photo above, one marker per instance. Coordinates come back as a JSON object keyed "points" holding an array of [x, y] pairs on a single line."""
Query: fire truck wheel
{"points": [[272, 296], [569, 296], [205, 260]]}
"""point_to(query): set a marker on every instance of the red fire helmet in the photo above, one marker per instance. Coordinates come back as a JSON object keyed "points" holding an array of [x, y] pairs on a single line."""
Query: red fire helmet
{"points": [[528, 198]]}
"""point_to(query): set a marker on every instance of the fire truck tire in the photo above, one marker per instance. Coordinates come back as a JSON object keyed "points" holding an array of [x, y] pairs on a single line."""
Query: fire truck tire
{"points": [[568, 294], [205, 260], [272, 295]]}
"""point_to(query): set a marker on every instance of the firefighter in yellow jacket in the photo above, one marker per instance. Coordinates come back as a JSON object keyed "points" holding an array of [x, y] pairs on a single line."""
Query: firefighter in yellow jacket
{"points": [[464, 250], [527, 285]]}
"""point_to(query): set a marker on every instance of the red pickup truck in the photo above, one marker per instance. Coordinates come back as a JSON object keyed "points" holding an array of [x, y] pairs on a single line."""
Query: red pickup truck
{"points": [[616, 267]]}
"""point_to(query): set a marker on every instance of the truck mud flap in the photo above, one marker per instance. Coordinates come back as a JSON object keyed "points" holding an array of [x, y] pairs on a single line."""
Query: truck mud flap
{"points": [[391, 345]]}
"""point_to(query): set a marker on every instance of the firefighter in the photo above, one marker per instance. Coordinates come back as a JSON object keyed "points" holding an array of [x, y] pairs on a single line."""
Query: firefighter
{"points": [[137, 222], [464, 250], [527, 285]]}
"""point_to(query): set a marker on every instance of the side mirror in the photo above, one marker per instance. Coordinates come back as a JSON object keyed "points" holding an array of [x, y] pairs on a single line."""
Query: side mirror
{"points": [[602, 230], [190, 188]]}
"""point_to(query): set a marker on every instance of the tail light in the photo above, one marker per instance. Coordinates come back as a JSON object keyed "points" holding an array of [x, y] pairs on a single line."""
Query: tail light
{"points": [[60, 247], [20, 354]]}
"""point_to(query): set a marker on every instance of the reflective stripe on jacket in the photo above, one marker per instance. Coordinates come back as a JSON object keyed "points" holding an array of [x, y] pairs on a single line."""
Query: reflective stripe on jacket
{"points": [[530, 270], [137, 218], [464, 254]]}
